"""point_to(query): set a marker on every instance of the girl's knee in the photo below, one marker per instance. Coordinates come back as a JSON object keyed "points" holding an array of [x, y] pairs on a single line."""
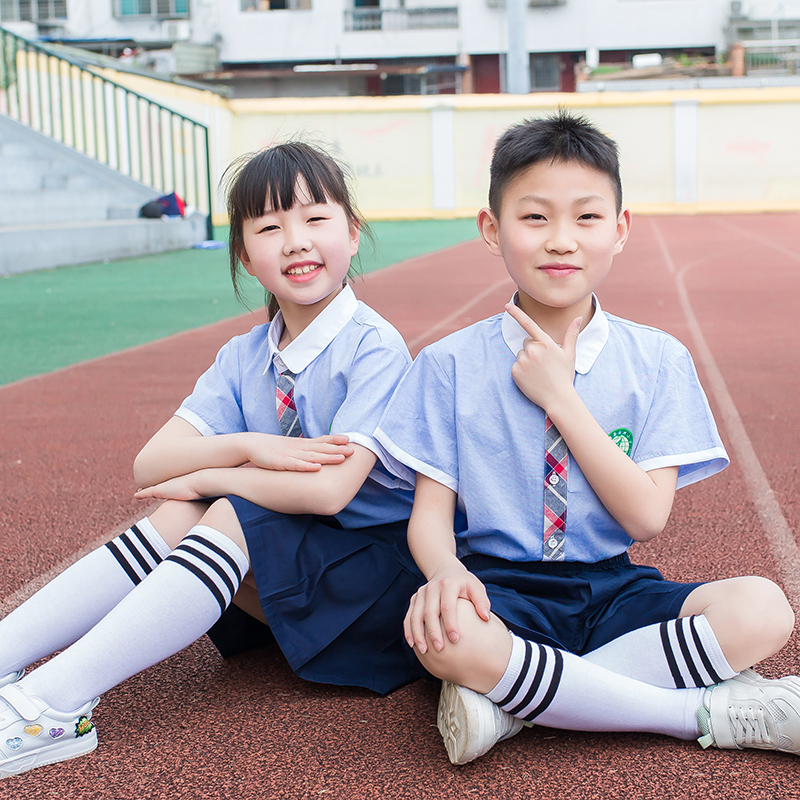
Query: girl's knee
{"points": [[173, 519]]}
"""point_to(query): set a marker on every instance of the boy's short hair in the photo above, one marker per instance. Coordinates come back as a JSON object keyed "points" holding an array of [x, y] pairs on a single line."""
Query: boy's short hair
{"points": [[560, 137]]}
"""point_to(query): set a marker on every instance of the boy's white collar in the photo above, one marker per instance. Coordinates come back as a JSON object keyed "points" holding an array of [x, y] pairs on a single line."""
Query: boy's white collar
{"points": [[591, 339], [300, 352]]}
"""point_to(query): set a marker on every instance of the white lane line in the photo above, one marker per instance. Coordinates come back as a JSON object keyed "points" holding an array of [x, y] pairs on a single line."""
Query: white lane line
{"points": [[448, 320], [783, 546]]}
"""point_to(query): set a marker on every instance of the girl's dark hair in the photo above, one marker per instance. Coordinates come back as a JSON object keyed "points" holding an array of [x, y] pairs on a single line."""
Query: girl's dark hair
{"points": [[268, 179], [560, 137]]}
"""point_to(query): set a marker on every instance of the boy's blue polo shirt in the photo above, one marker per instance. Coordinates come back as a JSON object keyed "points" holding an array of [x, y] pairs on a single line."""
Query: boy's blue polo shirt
{"points": [[459, 418], [348, 362]]}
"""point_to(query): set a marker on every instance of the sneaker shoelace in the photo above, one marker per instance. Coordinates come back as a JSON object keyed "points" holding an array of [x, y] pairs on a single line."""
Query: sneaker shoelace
{"points": [[749, 726]]}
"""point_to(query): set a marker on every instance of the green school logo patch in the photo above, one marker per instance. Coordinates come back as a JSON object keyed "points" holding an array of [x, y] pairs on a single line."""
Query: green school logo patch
{"points": [[623, 439]]}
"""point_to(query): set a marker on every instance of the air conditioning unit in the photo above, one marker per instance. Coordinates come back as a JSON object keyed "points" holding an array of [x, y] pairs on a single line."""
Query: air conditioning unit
{"points": [[176, 30]]}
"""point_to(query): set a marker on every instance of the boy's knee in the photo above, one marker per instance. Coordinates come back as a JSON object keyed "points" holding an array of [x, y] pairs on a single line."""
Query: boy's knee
{"points": [[770, 610], [479, 657]]}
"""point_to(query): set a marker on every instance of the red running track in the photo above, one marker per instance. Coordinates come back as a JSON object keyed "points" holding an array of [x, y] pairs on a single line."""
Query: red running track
{"points": [[198, 727]]}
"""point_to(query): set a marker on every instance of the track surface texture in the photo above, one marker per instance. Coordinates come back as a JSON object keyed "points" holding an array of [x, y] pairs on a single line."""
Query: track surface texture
{"points": [[200, 727]]}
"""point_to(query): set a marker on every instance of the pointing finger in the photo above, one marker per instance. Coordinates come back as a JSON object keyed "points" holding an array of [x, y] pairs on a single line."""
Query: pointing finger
{"points": [[528, 325]]}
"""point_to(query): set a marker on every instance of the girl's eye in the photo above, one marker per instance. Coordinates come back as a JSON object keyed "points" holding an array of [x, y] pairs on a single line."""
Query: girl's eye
{"points": [[317, 219], [267, 228]]}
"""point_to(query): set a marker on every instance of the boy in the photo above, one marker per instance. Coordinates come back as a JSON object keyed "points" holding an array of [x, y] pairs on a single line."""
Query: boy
{"points": [[498, 419]]}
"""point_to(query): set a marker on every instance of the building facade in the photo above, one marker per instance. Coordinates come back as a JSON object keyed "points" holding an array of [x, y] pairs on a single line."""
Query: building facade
{"points": [[262, 48]]}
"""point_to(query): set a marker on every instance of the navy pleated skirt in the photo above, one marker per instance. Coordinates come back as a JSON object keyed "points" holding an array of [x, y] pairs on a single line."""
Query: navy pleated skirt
{"points": [[334, 598]]}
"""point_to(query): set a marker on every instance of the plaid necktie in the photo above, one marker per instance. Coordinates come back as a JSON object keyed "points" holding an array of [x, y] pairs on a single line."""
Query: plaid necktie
{"points": [[284, 404], [556, 458]]}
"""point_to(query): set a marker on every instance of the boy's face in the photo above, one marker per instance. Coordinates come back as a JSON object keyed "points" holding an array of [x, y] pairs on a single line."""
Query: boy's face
{"points": [[557, 231]]}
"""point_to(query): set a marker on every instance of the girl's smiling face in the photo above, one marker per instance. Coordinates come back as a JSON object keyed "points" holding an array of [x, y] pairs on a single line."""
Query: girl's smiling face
{"points": [[301, 255]]}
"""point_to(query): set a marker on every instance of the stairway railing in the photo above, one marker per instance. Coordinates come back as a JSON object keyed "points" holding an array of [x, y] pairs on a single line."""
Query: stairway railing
{"points": [[61, 98]]}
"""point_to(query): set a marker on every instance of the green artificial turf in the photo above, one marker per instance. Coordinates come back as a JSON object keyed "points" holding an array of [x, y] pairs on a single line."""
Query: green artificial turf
{"points": [[54, 318]]}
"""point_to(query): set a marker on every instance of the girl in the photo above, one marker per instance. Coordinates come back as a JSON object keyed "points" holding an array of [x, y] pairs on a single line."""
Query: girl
{"points": [[294, 518]]}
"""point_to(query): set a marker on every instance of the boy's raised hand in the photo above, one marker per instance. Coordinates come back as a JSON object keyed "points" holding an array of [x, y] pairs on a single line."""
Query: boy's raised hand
{"points": [[544, 371], [432, 612]]}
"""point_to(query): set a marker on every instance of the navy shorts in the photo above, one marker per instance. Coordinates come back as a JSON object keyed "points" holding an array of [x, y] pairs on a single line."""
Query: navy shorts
{"points": [[334, 598], [575, 606]]}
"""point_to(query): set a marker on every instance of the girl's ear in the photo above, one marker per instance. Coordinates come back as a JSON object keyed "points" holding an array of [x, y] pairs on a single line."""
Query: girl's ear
{"points": [[355, 236], [489, 229], [241, 254]]}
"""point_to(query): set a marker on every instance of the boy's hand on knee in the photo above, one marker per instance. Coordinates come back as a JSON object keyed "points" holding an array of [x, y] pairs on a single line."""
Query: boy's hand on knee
{"points": [[432, 613]]}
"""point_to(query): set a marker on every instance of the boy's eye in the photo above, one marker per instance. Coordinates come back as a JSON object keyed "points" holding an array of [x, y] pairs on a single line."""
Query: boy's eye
{"points": [[535, 217], [589, 216]]}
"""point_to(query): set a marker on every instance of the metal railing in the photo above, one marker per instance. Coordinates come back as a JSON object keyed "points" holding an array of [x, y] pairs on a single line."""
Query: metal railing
{"points": [[59, 97], [400, 19], [772, 57]]}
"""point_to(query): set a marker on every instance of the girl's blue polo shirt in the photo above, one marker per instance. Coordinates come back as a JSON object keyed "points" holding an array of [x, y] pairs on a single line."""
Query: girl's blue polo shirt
{"points": [[348, 362], [459, 418]]}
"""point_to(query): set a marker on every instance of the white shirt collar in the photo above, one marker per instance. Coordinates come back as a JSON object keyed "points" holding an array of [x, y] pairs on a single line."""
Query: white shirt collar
{"points": [[300, 352], [591, 339]]}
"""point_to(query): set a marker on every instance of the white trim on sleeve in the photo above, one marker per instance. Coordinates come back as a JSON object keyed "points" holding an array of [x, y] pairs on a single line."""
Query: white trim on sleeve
{"points": [[194, 421], [409, 461], [715, 460]]}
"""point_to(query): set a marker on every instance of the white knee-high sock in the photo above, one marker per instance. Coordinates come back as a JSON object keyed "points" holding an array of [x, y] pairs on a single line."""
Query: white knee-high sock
{"points": [[172, 607], [77, 599], [560, 690], [676, 654]]}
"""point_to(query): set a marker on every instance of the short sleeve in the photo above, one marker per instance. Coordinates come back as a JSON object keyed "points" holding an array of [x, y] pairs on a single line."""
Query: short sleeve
{"points": [[417, 429], [215, 404], [679, 429], [377, 367]]}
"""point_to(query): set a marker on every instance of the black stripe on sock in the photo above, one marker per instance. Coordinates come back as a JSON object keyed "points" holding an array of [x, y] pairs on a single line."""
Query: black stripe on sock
{"points": [[146, 544], [526, 665], [670, 656], [535, 684], [219, 551], [195, 570], [206, 559], [140, 559], [123, 562], [698, 681], [715, 677], [555, 680]]}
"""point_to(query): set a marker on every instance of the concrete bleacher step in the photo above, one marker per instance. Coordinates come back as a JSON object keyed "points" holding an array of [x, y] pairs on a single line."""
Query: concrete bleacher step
{"points": [[59, 208], [93, 240]]}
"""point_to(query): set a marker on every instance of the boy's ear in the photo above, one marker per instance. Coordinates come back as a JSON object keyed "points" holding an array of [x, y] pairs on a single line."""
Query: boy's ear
{"points": [[488, 228], [623, 230]]}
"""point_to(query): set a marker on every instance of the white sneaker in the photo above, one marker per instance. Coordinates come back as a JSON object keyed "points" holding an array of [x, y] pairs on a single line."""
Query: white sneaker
{"points": [[12, 677], [751, 711], [471, 724], [32, 735]]}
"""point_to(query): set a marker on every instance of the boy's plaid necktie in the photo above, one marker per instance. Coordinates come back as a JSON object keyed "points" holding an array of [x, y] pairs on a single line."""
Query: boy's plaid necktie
{"points": [[555, 492], [284, 404]]}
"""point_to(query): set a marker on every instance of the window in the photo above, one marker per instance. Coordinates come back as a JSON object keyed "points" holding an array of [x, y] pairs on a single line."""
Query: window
{"points": [[166, 9], [545, 73], [32, 10], [275, 5]]}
